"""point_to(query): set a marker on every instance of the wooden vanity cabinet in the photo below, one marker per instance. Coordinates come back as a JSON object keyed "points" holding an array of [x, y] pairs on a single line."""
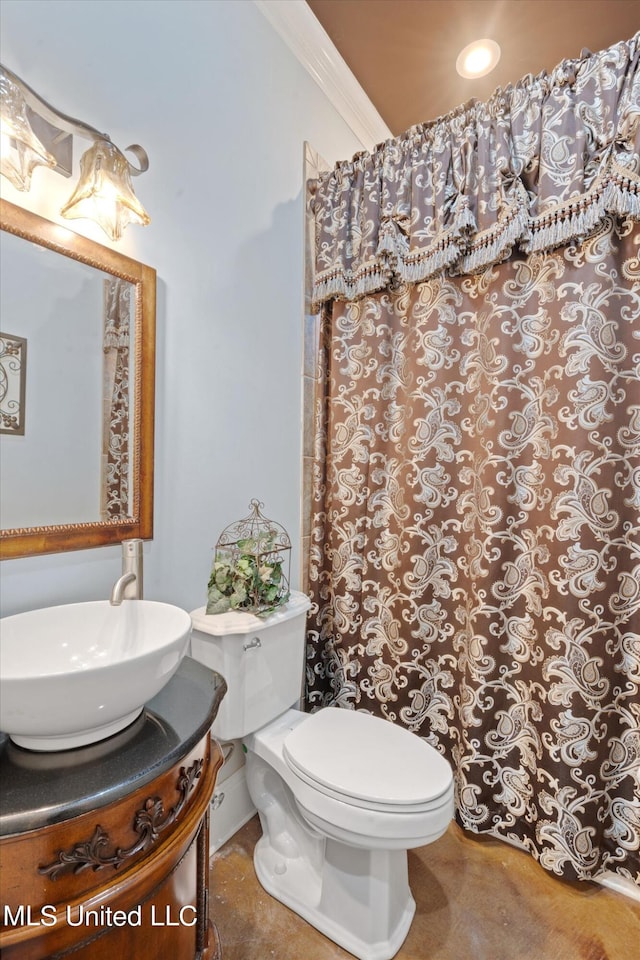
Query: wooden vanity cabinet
{"points": [[127, 880]]}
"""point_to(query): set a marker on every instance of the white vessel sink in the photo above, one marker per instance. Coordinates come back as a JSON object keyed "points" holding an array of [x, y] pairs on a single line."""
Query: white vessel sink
{"points": [[75, 674]]}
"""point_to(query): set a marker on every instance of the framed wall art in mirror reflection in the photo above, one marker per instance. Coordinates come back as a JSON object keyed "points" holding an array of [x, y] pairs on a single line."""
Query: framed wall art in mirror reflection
{"points": [[13, 373], [82, 475]]}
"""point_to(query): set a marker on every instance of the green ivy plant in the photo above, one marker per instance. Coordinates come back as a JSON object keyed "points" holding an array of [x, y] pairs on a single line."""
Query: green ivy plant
{"points": [[246, 579]]}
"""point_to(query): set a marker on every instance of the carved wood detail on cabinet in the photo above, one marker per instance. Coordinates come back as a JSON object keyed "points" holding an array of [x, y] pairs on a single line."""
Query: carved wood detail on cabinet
{"points": [[148, 822], [129, 880]]}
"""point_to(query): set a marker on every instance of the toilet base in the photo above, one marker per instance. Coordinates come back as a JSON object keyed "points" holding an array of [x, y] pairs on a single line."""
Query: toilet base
{"points": [[357, 897], [365, 907]]}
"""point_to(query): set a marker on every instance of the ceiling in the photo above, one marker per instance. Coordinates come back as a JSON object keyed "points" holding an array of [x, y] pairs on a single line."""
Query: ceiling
{"points": [[403, 52]]}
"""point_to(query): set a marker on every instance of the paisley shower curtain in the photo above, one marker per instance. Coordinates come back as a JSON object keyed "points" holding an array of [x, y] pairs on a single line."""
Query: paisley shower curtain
{"points": [[114, 495], [475, 537]]}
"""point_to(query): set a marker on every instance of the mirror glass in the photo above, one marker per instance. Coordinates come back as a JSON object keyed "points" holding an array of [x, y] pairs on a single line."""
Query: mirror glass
{"points": [[77, 356]]}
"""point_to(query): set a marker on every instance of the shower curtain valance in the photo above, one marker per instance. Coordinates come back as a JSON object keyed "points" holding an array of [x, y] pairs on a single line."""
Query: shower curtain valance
{"points": [[538, 165]]}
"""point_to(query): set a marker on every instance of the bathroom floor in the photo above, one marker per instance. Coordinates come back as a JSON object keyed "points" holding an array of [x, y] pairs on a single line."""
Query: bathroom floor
{"points": [[477, 899]]}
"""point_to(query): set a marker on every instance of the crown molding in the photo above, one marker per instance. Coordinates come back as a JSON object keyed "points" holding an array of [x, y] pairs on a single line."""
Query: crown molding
{"points": [[300, 29]]}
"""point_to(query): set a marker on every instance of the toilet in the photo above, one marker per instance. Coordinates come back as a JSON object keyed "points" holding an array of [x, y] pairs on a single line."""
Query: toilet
{"points": [[342, 795]]}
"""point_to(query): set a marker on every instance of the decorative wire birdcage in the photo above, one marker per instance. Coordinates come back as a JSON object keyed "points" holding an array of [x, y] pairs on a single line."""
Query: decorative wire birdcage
{"points": [[251, 566]]}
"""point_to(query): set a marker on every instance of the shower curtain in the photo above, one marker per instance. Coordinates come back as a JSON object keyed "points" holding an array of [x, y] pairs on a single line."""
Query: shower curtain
{"points": [[475, 538], [114, 494]]}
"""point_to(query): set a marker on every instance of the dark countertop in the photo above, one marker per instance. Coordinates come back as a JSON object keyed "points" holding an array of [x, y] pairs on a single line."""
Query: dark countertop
{"points": [[38, 789]]}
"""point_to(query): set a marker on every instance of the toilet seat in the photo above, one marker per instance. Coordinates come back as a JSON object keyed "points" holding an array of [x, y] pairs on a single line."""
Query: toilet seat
{"points": [[384, 768]]}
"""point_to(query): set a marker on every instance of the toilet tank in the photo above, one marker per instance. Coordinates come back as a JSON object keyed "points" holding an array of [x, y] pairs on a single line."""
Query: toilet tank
{"points": [[262, 660]]}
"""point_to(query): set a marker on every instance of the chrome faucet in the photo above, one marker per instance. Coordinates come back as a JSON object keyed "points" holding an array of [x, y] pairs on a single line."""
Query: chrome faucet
{"points": [[129, 585]]}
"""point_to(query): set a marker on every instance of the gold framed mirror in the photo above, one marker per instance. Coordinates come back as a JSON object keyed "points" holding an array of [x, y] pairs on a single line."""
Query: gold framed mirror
{"points": [[77, 390]]}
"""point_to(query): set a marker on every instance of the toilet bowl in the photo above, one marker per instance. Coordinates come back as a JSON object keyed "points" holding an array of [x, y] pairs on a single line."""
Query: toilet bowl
{"points": [[342, 795]]}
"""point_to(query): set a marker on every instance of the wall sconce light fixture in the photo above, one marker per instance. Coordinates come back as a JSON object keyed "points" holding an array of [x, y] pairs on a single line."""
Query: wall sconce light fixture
{"points": [[36, 134]]}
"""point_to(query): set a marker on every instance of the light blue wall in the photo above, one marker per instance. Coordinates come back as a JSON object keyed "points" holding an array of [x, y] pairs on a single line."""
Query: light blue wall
{"points": [[223, 108]]}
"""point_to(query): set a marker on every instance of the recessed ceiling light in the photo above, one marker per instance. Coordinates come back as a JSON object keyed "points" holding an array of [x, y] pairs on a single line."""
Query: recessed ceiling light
{"points": [[478, 59]]}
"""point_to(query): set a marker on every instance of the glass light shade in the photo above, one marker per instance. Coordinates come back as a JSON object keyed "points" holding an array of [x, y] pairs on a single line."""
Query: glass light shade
{"points": [[104, 192], [20, 150]]}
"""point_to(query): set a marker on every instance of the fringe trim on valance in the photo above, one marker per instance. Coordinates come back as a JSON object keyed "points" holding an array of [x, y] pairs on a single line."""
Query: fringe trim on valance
{"points": [[344, 285], [458, 255], [619, 197], [593, 104]]}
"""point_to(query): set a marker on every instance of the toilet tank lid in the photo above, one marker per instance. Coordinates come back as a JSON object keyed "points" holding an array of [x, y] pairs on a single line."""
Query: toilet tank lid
{"points": [[237, 621]]}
